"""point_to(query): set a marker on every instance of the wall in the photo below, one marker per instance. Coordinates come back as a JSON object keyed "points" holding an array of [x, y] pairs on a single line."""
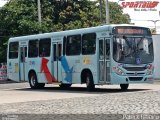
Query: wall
{"points": [[3, 71], [156, 43]]}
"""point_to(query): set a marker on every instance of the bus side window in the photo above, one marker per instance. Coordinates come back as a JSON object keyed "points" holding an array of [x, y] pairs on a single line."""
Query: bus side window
{"points": [[44, 47], [33, 48], [64, 45], [13, 50], [107, 48], [73, 45], [88, 43], [23, 53], [101, 54], [57, 52]]}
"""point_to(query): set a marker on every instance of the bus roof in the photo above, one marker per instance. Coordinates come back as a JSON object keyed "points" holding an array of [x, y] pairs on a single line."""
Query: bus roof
{"points": [[70, 32]]}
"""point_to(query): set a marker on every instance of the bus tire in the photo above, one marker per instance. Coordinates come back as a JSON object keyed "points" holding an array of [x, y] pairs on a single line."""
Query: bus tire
{"points": [[89, 82], [124, 86], [65, 86], [34, 83]]}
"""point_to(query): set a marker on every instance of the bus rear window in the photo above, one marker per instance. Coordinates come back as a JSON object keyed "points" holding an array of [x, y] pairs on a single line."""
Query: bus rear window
{"points": [[13, 50]]}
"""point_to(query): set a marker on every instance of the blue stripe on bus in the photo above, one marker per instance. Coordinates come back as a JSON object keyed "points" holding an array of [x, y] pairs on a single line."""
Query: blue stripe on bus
{"points": [[67, 70]]}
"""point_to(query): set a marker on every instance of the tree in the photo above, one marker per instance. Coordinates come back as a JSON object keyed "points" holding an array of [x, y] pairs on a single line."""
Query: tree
{"points": [[153, 31], [19, 17], [116, 14]]}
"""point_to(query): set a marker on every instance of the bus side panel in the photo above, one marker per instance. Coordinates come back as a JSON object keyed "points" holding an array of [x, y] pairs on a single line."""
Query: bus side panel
{"points": [[35, 65], [70, 65], [76, 64], [90, 62]]}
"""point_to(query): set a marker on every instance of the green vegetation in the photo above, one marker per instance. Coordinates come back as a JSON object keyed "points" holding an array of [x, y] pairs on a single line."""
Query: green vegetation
{"points": [[19, 17]]}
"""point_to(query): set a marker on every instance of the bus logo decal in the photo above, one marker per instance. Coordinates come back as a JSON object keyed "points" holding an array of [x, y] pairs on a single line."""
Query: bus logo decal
{"points": [[31, 62], [138, 60], [44, 68], [86, 60], [67, 70], [16, 68]]}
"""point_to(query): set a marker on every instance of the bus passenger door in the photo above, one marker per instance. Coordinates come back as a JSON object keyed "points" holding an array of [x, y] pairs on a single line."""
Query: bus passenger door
{"points": [[13, 62], [23, 55], [104, 60], [56, 64]]}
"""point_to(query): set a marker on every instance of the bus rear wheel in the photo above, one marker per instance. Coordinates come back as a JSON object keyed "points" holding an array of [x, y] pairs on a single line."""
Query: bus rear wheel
{"points": [[34, 83], [124, 86], [89, 82]]}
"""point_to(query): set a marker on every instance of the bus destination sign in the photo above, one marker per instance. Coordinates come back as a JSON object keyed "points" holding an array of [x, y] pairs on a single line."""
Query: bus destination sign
{"points": [[131, 30]]}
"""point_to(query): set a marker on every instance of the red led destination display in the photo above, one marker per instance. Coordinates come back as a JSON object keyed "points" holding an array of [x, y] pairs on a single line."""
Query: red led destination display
{"points": [[131, 30]]}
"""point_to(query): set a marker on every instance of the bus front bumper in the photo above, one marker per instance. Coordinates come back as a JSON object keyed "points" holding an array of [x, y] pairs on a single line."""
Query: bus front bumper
{"points": [[119, 79]]}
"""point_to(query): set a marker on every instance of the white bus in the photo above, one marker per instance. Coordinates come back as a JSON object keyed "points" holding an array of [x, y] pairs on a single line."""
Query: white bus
{"points": [[108, 54]]}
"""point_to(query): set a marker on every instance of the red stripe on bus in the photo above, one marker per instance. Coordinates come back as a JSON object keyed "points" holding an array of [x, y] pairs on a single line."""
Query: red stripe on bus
{"points": [[44, 68]]}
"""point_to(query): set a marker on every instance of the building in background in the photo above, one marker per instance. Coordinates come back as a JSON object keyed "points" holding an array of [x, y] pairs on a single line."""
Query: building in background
{"points": [[156, 42]]}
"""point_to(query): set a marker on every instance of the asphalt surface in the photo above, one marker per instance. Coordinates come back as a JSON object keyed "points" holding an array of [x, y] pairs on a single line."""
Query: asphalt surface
{"points": [[18, 101]]}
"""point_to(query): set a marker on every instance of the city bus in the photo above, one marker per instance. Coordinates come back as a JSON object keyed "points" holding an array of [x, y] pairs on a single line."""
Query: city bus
{"points": [[109, 54]]}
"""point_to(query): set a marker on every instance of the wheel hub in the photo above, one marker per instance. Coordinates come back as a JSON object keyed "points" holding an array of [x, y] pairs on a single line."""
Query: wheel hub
{"points": [[33, 81]]}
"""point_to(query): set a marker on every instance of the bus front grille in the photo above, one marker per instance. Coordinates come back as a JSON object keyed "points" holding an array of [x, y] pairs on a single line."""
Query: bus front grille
{"points": [[135, 78], [135, 74], [135, 68]]}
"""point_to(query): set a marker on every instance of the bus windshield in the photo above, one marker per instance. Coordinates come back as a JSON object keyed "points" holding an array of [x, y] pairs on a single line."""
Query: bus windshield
{"points": [[133, 50]]}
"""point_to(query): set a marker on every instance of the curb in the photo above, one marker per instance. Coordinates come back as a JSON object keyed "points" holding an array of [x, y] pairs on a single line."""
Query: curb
{"points": [[6, 81]]}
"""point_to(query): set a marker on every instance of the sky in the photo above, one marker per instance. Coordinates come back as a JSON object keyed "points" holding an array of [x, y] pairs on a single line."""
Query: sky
{"points": [[140, 18], [2, 2]]}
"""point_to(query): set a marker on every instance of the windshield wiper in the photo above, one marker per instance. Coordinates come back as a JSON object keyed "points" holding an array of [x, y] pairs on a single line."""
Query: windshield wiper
{"points": [[134, 49], [125, 38]]}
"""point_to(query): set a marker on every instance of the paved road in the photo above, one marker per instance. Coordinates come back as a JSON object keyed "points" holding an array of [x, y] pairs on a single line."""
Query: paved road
{"points": [[141, 99]]}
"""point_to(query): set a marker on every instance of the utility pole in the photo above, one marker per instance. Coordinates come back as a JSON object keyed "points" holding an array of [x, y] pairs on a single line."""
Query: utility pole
{"points": [[39, 13], [100, 5], [154, 21], [107, 12]]}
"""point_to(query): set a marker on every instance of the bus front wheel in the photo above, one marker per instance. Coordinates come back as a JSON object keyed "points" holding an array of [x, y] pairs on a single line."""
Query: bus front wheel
{"points": [[34, 83], [89, 82], [124, 86]]}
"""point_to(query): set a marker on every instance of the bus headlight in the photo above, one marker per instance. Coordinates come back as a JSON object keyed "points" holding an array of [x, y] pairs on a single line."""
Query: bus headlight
{"points": [[149, 72], [118, 71], [150, 69]]}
